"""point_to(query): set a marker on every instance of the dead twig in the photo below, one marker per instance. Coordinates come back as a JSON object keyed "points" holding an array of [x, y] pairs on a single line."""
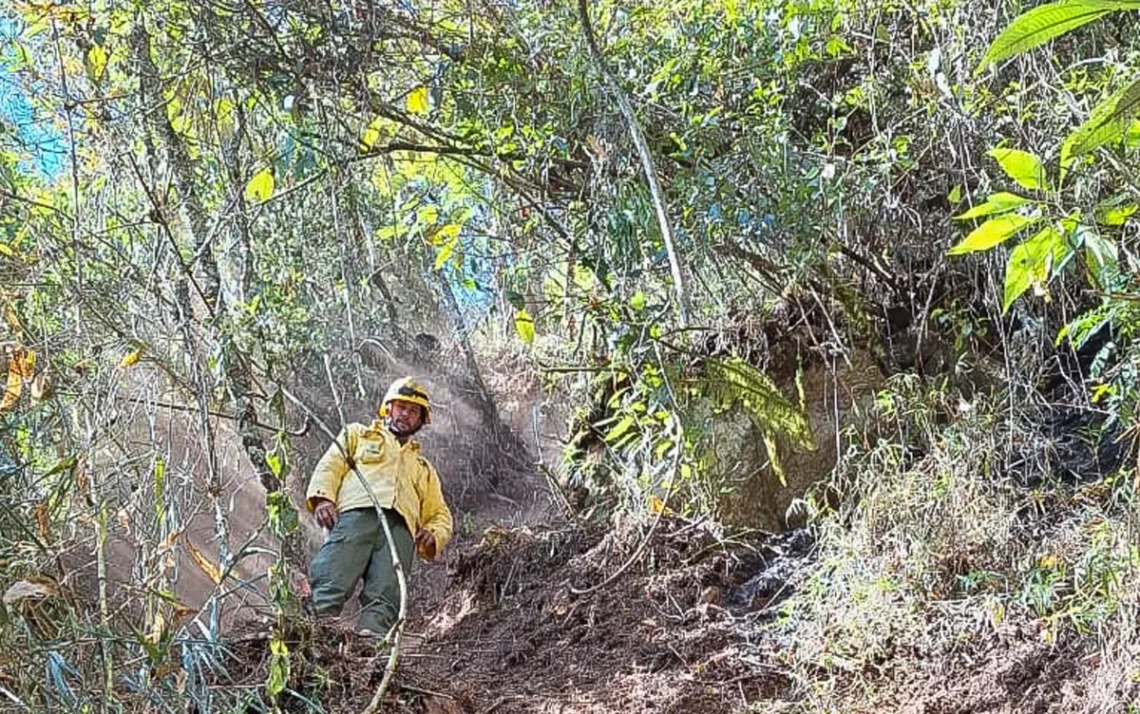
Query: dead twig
{"points": [[428, 692], [499, 702]]}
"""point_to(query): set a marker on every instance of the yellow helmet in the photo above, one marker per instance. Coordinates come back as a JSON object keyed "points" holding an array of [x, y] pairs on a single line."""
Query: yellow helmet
{"points": [[407, 389]]}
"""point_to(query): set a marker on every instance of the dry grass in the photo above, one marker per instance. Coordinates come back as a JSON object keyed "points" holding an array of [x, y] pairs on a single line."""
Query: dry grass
{"points": [[941, 567]]}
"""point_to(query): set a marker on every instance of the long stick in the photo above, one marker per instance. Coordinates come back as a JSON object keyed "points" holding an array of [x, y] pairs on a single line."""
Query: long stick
{"points": [[401, 579], [642, 152], [68, 107]]}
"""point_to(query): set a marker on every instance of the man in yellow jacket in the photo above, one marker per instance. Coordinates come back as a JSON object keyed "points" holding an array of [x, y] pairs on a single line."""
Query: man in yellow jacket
{"points": [[405, 486]]}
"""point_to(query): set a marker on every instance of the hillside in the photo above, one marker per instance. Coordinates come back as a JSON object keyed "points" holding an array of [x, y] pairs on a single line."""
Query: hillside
{"points": [[779, 354]]}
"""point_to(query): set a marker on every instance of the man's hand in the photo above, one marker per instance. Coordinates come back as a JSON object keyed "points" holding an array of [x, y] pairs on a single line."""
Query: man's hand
{"points": [[325, 513], [425, 544]]}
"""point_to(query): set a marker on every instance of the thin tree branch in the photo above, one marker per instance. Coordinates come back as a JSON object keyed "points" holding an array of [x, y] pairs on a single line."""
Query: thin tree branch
{"points": [[643, 152], [397, 629]]}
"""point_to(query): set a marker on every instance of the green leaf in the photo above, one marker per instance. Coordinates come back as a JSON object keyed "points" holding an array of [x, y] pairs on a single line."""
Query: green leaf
{"points": [[1084, 327], [1021, 166], [273, 460], [283, 519], [619, 429], [418, 100], [278, 668], [993, 232], [449, 232], [524, 323], [584, 277], [1041, 24], [1031, 262], [372, 134], [260, 187], [6, 250], [1114, 211], [514, 299], [735, 382], [1101, 255], [224, 113], [1107, 122], [97, 61], [428, 215], [955, 194], [637, 302], [445, 251], [996, 203]]}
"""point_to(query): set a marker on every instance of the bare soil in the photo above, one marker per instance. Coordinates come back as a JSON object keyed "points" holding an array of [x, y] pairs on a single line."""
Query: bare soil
{"points": [[516, 628]]}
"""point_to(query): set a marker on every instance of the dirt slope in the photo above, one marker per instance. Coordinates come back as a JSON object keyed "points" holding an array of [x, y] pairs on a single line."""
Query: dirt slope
{"points": [[511, 631]]}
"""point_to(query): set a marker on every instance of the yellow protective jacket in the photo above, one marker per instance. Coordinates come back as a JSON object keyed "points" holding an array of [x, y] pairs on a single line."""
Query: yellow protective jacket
{"points": [[397, 474]]}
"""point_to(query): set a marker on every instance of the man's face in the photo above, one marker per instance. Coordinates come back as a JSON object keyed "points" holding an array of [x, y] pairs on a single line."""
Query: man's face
{"points": [[404, 418]]}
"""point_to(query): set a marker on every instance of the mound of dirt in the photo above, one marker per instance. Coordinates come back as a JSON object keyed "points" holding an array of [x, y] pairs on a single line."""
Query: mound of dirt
{"points": [[531, 621]]}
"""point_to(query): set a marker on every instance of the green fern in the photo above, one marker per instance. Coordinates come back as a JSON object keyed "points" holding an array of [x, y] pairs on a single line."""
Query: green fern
{"points": [[735, 383]]}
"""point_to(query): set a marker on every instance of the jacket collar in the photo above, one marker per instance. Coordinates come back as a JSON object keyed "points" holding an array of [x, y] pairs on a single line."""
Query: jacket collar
{"points": [[377, 427]]}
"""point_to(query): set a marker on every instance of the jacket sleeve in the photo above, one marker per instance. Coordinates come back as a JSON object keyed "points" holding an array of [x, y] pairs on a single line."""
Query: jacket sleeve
{"points": [[435, 516], [331, 469]]}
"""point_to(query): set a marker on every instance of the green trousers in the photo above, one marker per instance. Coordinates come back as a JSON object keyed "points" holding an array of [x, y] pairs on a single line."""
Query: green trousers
{"points": [[357, 548]]}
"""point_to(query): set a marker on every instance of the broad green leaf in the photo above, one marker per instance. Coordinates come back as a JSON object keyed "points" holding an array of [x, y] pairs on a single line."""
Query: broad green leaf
{"points": [[5, 249], [955, 194], [372, 134], [428, 215], [1031, 262], [993, 232], [445, 251], [1101, 255], [260, 187], [514, 299], [637, 302], [273, 460], [584, 277], [524, 323], [1132, 138], [97, 61], [996, 203], [224, 114], [1109, 121], [283, 518], [620, 428], [1111, 213], [1041, 24], [1021, 166], [447, 233], [278, 668], [418, 100]]}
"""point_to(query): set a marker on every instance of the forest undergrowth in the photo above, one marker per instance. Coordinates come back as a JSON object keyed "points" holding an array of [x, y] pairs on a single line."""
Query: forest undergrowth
{"points": [[783, 353]]}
